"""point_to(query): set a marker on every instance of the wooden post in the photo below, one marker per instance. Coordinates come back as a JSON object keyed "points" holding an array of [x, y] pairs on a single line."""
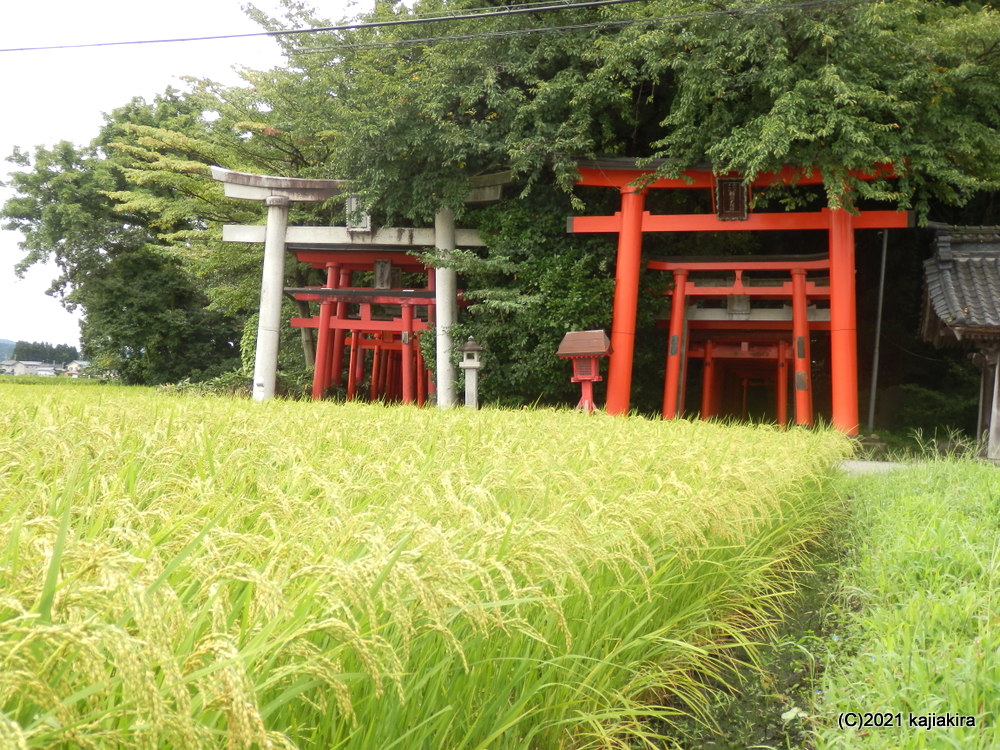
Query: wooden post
{"points": [[843, 323], [407, 355], [352, 364], [675, 347], [707, 382], [321, 372], [782, 383], [801, 350], [626, 301], [337, 364]]}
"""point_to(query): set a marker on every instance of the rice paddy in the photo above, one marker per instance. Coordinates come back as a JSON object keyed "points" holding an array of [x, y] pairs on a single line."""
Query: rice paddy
{"points": [[184, 572]]}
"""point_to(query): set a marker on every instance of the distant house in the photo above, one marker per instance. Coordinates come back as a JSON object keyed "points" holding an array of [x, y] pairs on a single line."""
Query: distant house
{"points": [[27, 367], [77, 368], [30, 367]]}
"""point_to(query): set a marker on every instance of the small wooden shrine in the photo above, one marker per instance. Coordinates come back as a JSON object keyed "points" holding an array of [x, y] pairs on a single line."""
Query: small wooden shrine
{"points": [[962, 307]]}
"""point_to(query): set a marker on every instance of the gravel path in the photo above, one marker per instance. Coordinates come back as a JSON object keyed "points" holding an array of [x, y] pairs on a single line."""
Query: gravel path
{"points": [[854, 468]]}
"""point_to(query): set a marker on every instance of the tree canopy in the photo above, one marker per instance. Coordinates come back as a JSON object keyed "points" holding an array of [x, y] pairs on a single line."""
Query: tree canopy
{"points": [[145, 318], [41, 351], [839, 85]]}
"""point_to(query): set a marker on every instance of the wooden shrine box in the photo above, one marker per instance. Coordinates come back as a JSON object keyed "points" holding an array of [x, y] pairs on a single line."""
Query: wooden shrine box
{"points": [[585, 349]]}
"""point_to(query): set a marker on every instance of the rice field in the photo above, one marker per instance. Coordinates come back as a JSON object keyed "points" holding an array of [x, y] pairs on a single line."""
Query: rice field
{"points": [[185, 572]]}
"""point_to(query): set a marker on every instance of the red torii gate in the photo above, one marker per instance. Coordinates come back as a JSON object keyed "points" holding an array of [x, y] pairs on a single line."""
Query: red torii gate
{"points": [[632, 220], [398, 370]]}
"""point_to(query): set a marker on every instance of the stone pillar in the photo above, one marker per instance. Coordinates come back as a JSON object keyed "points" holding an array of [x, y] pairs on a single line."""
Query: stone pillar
{"points": [[272, 285], [446, 309]]}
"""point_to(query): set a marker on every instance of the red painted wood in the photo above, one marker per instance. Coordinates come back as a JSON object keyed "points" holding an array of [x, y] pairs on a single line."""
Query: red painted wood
{"points": [[322, 365], [368, 325], [802, 375], [790, 221], [358, 260], [337, 364], [625, 303], [782, 380], [675, 346], [408, 389], [704, 178], [739, 264], [740, 327], [352, 367], [843, 324]]}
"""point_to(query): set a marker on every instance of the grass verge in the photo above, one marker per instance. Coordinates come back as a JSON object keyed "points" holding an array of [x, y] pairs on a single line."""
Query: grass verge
{"points": [[920, 622]]}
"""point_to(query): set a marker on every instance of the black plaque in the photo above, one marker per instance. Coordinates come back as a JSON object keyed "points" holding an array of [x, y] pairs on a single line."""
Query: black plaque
{"points": [[731, 202]]}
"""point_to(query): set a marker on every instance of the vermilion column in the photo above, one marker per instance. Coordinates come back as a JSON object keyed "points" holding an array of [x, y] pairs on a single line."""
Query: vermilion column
{"points": [[675, 346], [626, 301], [708, 383], [782, 383], [800, 349], [843, 323], [321, 374], [407, 355], [337, 363], [352, 364]]}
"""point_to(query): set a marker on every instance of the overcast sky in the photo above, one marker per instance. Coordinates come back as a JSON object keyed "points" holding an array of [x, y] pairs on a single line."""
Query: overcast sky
{"points": [[55, 95]]}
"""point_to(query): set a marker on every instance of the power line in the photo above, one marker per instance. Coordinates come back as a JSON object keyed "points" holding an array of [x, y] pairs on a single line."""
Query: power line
{"points": [[760, 9], [756, 10], [542, 7]]}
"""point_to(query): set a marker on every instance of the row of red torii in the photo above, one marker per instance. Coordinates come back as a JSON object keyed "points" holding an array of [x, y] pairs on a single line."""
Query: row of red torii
{"points": [[738, 338]]}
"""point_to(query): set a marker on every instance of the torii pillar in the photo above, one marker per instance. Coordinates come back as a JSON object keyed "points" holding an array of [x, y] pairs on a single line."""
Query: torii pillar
{"points": [[276, 193]]}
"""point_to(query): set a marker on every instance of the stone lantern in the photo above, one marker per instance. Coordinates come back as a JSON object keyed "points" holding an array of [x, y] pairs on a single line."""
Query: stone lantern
{"points": [[585, 349], [470, 363]]}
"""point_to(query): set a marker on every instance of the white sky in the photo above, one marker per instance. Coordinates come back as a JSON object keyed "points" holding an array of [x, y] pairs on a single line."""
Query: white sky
{"points": [[50, 96]]}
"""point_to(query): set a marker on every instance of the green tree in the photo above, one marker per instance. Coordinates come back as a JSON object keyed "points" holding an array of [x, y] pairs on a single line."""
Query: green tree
{"points": [[415, 110], [44, 352], [145, 317]]}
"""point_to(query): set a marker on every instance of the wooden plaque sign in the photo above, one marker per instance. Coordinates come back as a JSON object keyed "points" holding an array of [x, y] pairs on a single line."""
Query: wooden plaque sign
{"points": [[731, 202]]}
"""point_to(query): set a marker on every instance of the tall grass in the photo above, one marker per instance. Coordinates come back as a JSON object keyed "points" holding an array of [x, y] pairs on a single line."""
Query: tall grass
{"points": [[922, 624], [205, 572]]}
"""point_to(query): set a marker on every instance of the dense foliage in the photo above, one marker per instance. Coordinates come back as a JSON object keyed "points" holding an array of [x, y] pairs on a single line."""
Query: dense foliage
{"points": [[410, 113], [40, 351], [145, 317]]}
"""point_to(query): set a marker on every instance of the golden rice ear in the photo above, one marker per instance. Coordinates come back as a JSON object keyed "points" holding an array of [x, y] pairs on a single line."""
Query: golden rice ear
{"points": [[302, 574]]}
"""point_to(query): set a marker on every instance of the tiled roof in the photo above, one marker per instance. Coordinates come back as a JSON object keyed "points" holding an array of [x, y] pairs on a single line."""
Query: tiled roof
{"points": [[963, 283]]}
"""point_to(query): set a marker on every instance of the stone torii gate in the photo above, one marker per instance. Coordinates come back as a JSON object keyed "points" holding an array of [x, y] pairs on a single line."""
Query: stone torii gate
{"points": [[278, 192]]}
